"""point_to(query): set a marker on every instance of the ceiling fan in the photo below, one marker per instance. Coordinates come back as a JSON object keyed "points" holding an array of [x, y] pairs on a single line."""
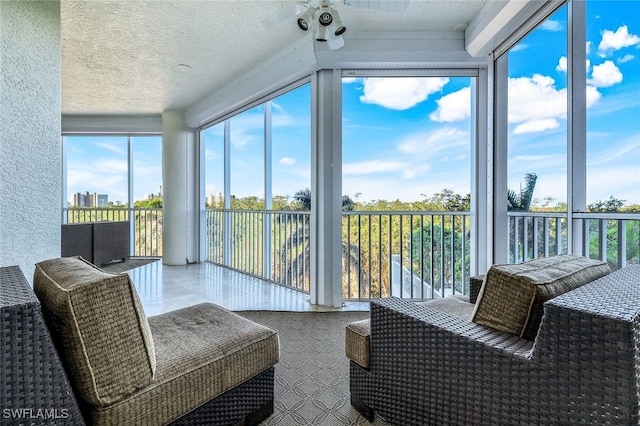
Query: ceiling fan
{"points": [[329, 26]]}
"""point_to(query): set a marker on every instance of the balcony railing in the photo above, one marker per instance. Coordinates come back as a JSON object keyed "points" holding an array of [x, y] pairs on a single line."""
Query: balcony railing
{"points": [[146, 224], [413, 255], [612, 237], [272, 245]]}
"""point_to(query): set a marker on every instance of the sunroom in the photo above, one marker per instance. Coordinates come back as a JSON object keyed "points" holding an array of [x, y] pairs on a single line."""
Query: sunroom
{"points": [[459, 134], [453, 150], [404, 157]]}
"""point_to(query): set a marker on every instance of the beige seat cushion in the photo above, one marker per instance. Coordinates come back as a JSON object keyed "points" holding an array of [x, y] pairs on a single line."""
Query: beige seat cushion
{"points": [[98, 320], [202, 351], [512, 296]]}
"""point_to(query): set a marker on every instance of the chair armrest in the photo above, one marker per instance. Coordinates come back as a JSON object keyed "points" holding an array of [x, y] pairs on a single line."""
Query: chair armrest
{"points": [[428, 367], [401, 319]]}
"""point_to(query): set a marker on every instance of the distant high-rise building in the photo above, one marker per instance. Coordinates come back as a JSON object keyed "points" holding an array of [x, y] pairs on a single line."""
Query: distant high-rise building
{"points": [[216, 200], [90, 200], [79, 200]]}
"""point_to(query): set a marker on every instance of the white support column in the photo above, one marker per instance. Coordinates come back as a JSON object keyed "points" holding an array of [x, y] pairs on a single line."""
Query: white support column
{"points": [[482, 172], [326, 188], [227, 193], [577, 124], [268, 195], [500, 161], [180, 190], [130, 201]]}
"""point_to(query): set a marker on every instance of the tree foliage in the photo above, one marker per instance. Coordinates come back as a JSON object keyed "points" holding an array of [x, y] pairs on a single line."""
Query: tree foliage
{"points": [[610, 205], [521, 201], [154, 203]]}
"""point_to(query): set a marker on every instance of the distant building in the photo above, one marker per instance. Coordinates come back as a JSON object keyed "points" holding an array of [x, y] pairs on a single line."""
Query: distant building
{"points": [[79, 200], [215, 200], [90, 200], [153, 196]]}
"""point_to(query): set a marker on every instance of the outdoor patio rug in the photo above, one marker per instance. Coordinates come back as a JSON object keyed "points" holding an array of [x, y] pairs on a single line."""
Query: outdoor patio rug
{"points": [[133, 262], [312, 377]]}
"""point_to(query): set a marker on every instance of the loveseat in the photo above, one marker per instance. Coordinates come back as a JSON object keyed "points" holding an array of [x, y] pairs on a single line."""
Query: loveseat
{"points": [[419, 365], [201, 365]]}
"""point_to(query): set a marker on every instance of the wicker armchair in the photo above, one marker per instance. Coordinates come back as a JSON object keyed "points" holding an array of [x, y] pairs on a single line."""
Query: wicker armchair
{"points": [[34, 388], [212, 367], [427, 367]]}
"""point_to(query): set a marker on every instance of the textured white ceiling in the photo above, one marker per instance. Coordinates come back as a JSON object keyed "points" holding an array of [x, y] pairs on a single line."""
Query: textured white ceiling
{"points": [[122, 56]]}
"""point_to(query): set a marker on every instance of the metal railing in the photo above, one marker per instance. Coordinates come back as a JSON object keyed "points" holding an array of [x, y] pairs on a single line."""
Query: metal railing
{"points": [[412, 255], [146, 225], [612, 237], [415, 255], [272, 245], [533, 235]]}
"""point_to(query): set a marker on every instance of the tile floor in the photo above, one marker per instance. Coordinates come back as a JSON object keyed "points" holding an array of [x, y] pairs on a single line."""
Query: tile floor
{"points": [[165, 288]]}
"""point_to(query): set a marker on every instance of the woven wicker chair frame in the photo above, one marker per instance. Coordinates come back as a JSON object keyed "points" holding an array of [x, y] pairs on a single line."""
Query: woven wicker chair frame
{"points": [[430, 368], [35, 389]]}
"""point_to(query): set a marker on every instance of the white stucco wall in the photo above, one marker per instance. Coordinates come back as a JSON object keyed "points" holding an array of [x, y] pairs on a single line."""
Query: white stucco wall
{"points": [[30, 142]]}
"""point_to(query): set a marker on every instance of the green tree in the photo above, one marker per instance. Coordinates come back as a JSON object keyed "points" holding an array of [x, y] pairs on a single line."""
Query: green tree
{"points": [[154, 203], [610, 205], [295, 251], [303, 198], [521, 202]]}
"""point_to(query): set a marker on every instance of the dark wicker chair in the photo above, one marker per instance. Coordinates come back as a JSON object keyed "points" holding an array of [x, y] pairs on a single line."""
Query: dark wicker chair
{"points": [[36, 389], [427, 367]]}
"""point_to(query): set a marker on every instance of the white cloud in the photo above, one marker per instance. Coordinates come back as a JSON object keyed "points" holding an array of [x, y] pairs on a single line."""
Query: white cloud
{"points": [[117, 148], [102, 177], [400, 93], [550, 25], [605, 75], [453, 107], [444, 138], [612, 41], [371, 167], [536, 105], [563, 65], [536, 125], [593, 96], [626, 58], [519, 47], [287, 161]]}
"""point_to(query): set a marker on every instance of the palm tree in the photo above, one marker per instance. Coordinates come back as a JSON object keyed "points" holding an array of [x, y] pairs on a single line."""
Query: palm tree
{"points": [[295, 251], [303, 197], [522, 202]]}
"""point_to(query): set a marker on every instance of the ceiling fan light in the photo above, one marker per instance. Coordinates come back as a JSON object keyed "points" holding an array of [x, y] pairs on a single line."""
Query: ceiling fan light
{"points": [[321, 33], [337, 22], [305, 18]]}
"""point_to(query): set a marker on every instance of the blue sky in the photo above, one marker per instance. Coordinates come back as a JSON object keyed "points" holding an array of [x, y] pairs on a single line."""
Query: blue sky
{"points": [[407, 138], [99, 164]]}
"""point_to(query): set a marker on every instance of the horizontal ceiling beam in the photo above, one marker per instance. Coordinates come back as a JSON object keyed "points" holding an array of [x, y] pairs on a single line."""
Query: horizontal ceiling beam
{"points": [[497, 21]]}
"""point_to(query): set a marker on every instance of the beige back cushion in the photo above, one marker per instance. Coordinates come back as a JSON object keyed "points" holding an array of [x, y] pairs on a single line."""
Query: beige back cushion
{"points": [[99, 322], [512, 296]]}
